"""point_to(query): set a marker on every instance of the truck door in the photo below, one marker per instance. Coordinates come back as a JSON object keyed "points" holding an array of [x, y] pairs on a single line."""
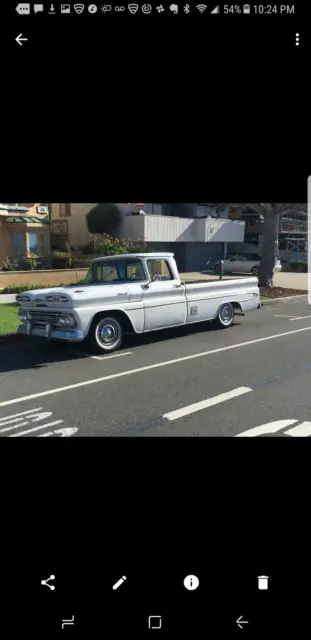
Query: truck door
{"points": [[164, 299]]}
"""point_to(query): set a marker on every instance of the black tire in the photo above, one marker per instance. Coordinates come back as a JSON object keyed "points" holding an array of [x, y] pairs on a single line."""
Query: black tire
{"points": [[255, 271], [105, 334], [217, 268], [225, 317]]}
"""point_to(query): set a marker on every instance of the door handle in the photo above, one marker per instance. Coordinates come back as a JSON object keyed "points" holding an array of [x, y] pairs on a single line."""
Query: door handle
{"points": [[176, 286], [123, 293]]}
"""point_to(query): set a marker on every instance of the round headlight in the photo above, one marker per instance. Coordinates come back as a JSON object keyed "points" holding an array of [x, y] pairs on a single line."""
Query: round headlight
{"points": [[66, 321]]}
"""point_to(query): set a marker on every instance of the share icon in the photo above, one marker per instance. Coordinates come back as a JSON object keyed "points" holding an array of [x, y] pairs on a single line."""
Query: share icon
{"points": [[46, 583]]}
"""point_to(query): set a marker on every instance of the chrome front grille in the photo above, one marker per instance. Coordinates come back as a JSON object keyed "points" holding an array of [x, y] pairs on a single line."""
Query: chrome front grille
{"points": [[45, 317]]}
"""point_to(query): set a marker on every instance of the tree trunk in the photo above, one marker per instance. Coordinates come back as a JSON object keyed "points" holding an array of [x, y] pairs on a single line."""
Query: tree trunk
{"points": [[268, 250]]}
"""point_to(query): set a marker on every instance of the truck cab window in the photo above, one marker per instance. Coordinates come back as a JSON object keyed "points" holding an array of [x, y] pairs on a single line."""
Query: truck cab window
{"points": [[159, 268], [134, 271]]}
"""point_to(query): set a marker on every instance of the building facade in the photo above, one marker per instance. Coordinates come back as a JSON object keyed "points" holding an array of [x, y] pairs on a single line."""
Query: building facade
{"points": [[194, 233], [24, 230], [292, 235]]}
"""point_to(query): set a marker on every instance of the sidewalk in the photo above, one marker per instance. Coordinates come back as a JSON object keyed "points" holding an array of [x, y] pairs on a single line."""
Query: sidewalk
{"points": [[286, 280]]}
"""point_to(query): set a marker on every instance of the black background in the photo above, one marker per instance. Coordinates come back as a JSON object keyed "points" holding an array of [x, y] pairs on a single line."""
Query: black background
{"points": [[180, 113]]}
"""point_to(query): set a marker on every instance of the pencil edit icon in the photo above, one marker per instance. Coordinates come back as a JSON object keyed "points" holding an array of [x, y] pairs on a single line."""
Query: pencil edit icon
{"points": [[118, 584]]}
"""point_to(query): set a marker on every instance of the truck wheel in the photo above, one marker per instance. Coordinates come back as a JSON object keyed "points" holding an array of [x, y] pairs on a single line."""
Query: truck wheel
{"points": [[225, 316], [106, 334]]}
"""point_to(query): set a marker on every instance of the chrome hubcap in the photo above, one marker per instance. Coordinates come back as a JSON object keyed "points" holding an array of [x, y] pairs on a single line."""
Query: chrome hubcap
{"points": [[226, 314], [107, 333]]}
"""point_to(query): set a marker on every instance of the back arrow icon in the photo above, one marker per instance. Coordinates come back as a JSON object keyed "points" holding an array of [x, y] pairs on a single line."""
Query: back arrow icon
{"points": [[240, 622], [20, 40]]}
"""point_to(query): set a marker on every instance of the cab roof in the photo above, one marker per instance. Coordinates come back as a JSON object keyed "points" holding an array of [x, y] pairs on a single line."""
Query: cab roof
{"points": [[134, 255]]}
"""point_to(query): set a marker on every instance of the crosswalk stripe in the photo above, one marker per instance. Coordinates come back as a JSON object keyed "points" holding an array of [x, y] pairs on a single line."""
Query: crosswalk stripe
{"points": [[23, 413], [15, 426], [204, 404], [43, 426]]}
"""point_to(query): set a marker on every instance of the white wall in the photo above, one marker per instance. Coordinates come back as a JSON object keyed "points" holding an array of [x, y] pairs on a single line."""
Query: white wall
{"points": [[172, 229]]}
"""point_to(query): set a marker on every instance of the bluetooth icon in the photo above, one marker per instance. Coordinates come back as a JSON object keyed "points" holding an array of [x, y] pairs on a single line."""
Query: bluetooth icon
{"points": [[187, 8]]}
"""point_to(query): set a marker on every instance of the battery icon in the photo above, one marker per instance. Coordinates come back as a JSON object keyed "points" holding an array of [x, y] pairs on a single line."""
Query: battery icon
{"points": [[246, 8]]}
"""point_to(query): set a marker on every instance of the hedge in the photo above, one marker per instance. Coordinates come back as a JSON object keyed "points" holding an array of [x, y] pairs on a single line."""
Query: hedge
{"points": [[19, 288], [298, 266]]}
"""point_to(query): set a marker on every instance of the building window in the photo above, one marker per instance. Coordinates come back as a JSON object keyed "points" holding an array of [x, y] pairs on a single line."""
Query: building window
{"points": [[65, 209], [19, 244], [36, 244], [33, 243]]}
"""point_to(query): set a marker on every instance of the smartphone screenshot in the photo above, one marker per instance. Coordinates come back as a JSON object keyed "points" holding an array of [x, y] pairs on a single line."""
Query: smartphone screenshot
{"points": [[155, 415]]}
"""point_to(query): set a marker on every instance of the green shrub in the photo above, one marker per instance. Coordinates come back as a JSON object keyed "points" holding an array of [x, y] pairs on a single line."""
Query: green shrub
{"points": [[106, 245], [61, 260], [81, 263], [20, 288], [298, 266], [104, 216]]}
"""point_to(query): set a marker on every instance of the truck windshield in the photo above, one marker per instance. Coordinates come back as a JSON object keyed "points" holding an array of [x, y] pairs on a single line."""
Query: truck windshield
{"points": [[115, 271]]}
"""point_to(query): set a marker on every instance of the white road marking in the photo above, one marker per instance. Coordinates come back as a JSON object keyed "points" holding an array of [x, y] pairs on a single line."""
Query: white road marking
{"points": [[16, 422], [281, 315], [16, 426], [204, 404], [149, 367], [64, 433], [116, 355], [264, 429], [299, 318], [42, 426], [23, 413], [301, 431]]}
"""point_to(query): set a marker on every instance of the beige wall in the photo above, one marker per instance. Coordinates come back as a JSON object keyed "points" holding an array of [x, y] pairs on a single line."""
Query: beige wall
{"points": [[78, 231], [45, 278]]}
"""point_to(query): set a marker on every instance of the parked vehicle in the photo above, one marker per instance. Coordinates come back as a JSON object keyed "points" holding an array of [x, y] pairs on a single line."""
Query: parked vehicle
{"points": [[132, 293], [243, 263]]}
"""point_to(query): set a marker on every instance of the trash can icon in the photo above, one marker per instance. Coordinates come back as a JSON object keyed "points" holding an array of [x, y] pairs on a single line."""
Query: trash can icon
{"points": [[263, 583]]}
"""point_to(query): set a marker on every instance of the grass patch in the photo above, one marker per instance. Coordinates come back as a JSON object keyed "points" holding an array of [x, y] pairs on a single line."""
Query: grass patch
{"points": [[9, 320]]}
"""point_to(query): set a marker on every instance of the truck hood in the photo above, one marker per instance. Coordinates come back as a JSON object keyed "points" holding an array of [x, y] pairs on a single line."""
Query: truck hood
{"points": [[77, 295]]}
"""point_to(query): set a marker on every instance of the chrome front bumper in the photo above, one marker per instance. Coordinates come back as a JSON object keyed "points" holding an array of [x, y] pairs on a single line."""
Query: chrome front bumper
{"points": [[46, 331]]}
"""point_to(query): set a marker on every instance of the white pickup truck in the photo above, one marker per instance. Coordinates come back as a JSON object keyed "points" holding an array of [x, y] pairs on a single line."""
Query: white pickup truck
{"points": [[132, 293]]}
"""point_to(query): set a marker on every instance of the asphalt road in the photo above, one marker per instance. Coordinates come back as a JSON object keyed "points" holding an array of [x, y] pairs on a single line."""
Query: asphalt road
{"points": [[196, 381]]}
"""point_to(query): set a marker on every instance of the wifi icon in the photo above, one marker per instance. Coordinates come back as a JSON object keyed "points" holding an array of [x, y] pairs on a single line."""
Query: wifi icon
{"points": [[201, 7], [78, 8], [133, 8]]}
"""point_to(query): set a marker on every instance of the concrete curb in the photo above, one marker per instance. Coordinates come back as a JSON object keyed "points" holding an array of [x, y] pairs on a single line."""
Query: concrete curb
{"points": [[283, 299], [7, 298]]}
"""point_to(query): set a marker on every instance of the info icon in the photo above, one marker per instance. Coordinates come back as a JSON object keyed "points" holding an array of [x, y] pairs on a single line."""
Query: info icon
{"points": [[191, 583]]}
